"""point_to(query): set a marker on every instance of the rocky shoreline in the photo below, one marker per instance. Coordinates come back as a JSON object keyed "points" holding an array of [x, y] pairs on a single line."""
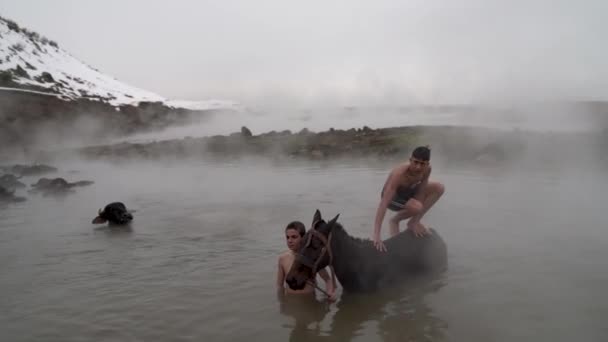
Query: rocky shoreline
{"points": [[453, 143], [30, 119]]}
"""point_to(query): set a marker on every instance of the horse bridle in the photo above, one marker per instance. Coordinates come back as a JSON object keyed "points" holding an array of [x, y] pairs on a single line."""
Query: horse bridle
{"points": [[326, 249]]}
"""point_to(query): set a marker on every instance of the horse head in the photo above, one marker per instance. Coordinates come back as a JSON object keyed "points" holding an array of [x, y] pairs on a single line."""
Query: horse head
{"points": [[314, 254]]}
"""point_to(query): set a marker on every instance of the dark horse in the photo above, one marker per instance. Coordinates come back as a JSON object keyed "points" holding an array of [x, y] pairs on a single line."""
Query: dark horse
{"points": [[358, 265]]}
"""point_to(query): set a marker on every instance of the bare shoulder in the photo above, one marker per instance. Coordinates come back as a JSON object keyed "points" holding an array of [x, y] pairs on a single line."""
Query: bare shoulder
{"points": [[286, 258], [399, 169], [402, 166]]}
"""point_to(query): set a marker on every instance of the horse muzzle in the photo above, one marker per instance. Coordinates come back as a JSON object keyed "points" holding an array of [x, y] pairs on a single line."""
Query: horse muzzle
{"points": [[297, 280]]}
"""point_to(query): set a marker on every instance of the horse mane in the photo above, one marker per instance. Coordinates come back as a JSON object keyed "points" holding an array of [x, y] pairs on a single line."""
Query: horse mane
{"points": [[355, 240], [355, 244]]}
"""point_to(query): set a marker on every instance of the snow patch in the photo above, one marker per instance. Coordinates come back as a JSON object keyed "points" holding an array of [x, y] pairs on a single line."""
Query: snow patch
{"points": [[43, 64]]}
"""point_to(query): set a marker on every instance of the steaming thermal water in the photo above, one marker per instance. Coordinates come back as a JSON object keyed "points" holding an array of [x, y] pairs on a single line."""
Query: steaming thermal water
{"points": [[323, 119], [526, 251]]}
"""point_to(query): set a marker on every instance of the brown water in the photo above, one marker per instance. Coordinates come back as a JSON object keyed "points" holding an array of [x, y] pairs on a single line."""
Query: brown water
{"points": [[527, 257]]}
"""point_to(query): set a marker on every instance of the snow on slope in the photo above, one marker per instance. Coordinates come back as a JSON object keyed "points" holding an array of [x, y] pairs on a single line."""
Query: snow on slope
{"points": [[36, 61]]}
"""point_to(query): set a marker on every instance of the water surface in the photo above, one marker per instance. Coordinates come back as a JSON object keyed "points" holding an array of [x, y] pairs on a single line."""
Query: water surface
{"points": [[526, 256]]}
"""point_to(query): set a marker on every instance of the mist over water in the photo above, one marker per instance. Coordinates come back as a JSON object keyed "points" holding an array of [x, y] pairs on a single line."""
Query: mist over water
{"points": [[526, 251], [526, 238], [541, 117]]}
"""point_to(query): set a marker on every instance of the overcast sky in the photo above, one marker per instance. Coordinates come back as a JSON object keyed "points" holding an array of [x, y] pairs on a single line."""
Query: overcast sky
{"points": [[344, 52]]}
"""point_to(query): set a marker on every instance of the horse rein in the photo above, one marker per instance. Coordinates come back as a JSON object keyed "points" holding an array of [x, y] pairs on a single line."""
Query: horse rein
{"points": [[326, 249], [313, 284]]}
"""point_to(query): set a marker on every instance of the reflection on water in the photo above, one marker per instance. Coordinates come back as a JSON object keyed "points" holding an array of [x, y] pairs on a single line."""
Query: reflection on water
{"points": [[526, 253], [398, 313], [306, 313], [115, 230]]}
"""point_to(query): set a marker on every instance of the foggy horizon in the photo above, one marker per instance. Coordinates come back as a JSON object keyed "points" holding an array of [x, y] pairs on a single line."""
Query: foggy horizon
{"points": [[338, 54], [331, 100]]}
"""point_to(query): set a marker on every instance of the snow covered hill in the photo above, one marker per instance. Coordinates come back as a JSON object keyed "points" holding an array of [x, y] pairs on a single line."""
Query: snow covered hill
{"points": [[31, 61]]}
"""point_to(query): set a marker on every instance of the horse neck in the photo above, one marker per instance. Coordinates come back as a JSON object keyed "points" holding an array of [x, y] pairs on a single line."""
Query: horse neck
{"points": [[347, 253]]}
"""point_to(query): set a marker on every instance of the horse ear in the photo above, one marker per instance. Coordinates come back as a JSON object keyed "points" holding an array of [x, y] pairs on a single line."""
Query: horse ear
{"points": [[333, 221], [316, 217]]}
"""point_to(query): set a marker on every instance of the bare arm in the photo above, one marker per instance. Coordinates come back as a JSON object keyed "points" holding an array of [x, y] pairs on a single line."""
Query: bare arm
{"points": [[280, 276], [425, 179], [326, 278], [330, 284], [389, 192]]}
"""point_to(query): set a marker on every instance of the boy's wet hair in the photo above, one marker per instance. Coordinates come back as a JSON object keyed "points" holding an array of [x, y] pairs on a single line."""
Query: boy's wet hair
{"points": [[422, 153], [298, 226]]}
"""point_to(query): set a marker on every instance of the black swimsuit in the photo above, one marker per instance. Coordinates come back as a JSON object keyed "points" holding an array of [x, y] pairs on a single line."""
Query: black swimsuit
{"points": [[402, 195]]}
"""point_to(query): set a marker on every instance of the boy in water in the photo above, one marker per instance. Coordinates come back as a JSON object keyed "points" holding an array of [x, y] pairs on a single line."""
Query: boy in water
{"points": [[294, 232]]}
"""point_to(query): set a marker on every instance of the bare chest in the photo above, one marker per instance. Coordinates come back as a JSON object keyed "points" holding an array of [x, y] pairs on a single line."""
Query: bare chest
{"points": [[286, 261], [408, 180]]}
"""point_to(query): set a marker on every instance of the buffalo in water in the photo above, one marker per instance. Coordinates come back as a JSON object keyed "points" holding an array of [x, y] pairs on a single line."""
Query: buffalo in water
{"points": [[56, 185], [116, 213]]}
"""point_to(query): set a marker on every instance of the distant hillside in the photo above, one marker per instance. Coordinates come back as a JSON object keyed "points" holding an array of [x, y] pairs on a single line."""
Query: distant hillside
{"points": [[47, 95], [29, 60]]}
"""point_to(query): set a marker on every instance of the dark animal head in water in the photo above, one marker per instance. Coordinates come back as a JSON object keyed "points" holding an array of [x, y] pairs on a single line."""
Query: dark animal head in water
{"points": [[7, 195], [314, 254], [114, 213]]}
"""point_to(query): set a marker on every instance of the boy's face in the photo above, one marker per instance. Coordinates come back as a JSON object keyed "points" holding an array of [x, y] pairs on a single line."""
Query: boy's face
{"points": [[418, 166], [293, 239]]}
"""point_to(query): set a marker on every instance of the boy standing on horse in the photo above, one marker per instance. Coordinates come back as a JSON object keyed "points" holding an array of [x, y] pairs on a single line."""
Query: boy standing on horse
{"points": [[294, 232], [408, 192]]}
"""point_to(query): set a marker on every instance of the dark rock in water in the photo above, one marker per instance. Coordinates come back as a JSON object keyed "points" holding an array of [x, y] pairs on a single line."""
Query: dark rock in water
{"points": [[11, 182], [82, 183], [30, 170], [115, 213], [56, 185], [46, 182], [48, 186], [246, 132], [9, 196]]}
